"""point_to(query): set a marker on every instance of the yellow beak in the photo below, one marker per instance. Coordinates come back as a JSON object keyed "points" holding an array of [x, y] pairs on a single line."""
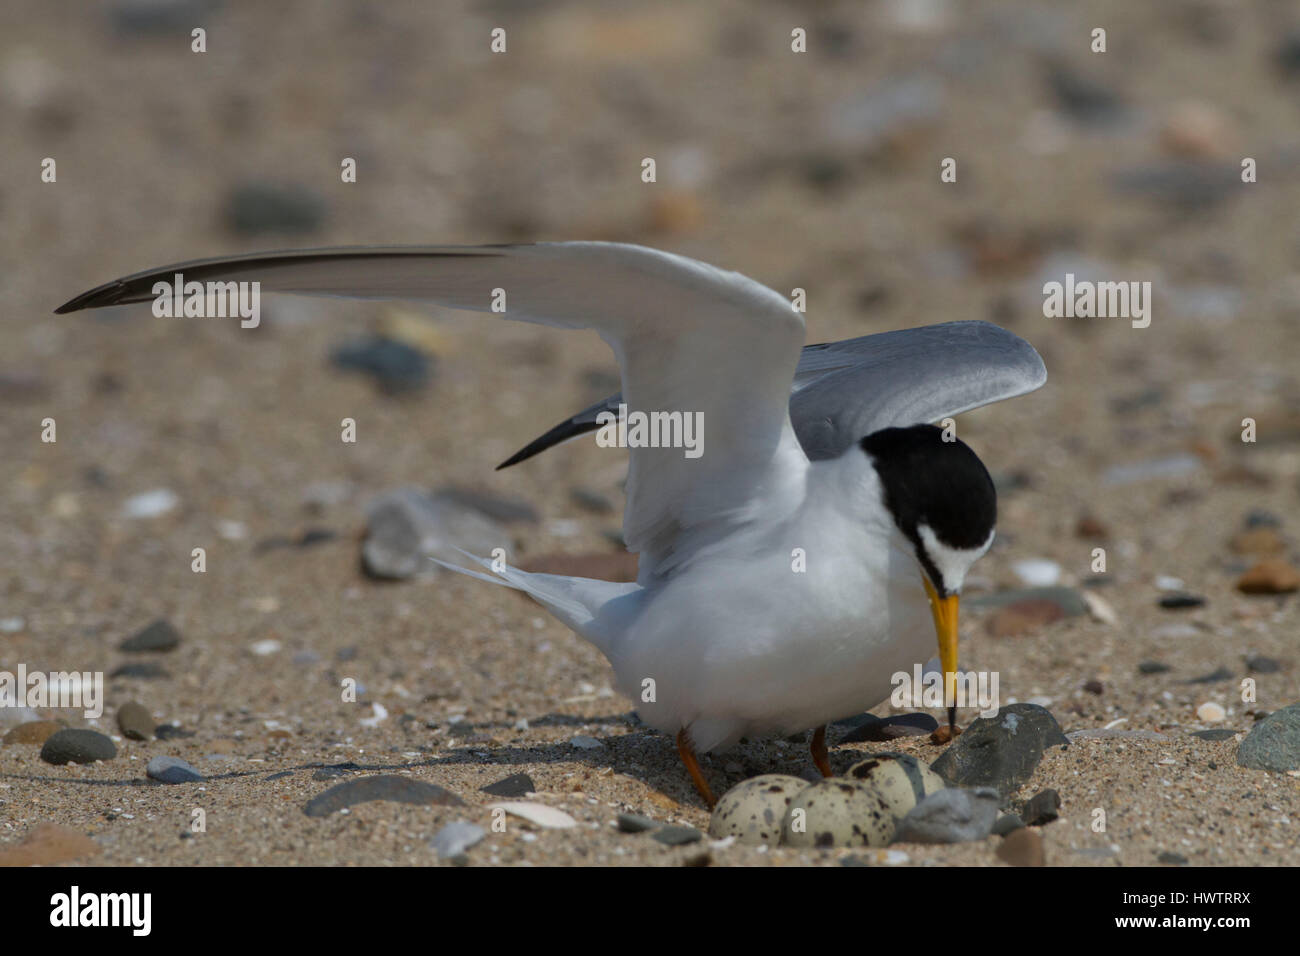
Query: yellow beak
{"points": [[945, 627]]}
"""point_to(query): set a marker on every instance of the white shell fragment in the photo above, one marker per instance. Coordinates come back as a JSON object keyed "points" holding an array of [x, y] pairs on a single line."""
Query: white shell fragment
{"points": [[538, 813]]}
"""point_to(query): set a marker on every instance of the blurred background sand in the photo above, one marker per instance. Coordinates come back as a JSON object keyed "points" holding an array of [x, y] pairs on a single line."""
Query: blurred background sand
{"points": [[817, 170]]}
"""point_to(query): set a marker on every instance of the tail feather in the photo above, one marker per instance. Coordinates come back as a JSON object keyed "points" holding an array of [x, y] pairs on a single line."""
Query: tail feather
{"points": [[577, 602]]}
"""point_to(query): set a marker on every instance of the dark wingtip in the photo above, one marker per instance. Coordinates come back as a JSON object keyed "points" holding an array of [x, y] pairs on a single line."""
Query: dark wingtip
{"points": [[100, 295]]}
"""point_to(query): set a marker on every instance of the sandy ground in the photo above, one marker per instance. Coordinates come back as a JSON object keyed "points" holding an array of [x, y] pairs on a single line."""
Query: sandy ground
{"points": [[756, 173]]}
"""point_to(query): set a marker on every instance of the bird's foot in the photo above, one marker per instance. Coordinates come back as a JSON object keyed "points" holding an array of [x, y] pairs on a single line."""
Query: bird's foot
{"points": [[818, 747], [687, 753]]}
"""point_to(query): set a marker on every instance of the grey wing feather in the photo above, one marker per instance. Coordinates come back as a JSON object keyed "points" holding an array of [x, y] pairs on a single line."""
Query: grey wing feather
{"points": [[844, 391]]}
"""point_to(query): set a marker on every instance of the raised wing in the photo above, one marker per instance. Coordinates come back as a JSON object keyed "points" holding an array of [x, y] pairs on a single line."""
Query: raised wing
{"points": [[844, 391], [689, 338]]}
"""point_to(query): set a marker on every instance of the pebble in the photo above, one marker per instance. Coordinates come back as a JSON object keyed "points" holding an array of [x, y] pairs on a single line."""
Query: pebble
{"points": [[32, 732], [1274, 742], [637, 823], [395, 367], [1153, 667], [539, 814], [385, 787], [1259, 518], [1037, 572], [953, 815], [677, 835], [1178, 602], [1042, 808], [265, 647], [171, 732], [1271, 576], [135, 721], [47, 844], [837, 812], [753, 811], [1091, 528], [1023, 847], [1007, 823], [1217, 676], [142, 670], [258, 207], [405, 527], [1094, 686], [157, 637], [150, 504], [583, 742], [77, 746], [172, 770], [515, 785], [1000, 751], [1173, 859], [455, 839], [1262, 665]]}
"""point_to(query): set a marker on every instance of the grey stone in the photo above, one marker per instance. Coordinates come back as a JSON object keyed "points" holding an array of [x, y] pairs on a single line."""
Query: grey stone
{"points": [[953, 815], [172, 770], [143, 670], [457, 838], [159, 636], [135, 721], [1216, 734], [636, 823], [395, 367], [1272, 744], [77, 746], [515, 785], [677, 835], [1006, 823], [385, 787], [1001, 751], [1042, 808]]}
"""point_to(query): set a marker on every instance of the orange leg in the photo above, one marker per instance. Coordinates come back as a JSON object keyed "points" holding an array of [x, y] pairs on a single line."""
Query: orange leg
{"points": [[693, 767], [819, 755]]}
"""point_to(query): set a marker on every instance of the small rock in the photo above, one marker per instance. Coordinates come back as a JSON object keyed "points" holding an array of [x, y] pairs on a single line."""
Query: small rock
{"points": [[1037, 572], [1007, 823], [1274, 742], [47, 844], [1272, 576], [1042, 808], [636, 823], [172, 770], [1091, 528], [385, 787], [395, 367], [171, 732], [1218, 676], [539, 814], [1152, 667], [150, 504], [1174, 859], [677, 835], [135, 721], [1259, 518], [586, 743], [953, 815], [455, 839], [158, 637], [1177, 602], [1022, 847], [515, 785], [258, 207], [1262, 665], [33, 732], [1094, 686], [77, 746], [1001, 751]]}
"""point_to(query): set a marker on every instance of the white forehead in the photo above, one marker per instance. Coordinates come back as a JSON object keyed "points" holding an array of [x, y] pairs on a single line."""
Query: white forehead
{"points": [[951, 563]]}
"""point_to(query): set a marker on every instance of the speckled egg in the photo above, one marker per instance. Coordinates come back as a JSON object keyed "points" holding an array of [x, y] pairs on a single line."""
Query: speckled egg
{"points": [[901, 779], [838, 812], [752, 811]]}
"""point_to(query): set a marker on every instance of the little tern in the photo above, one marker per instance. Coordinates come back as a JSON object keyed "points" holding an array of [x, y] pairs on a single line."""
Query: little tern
{"points": [[819, 543]]}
